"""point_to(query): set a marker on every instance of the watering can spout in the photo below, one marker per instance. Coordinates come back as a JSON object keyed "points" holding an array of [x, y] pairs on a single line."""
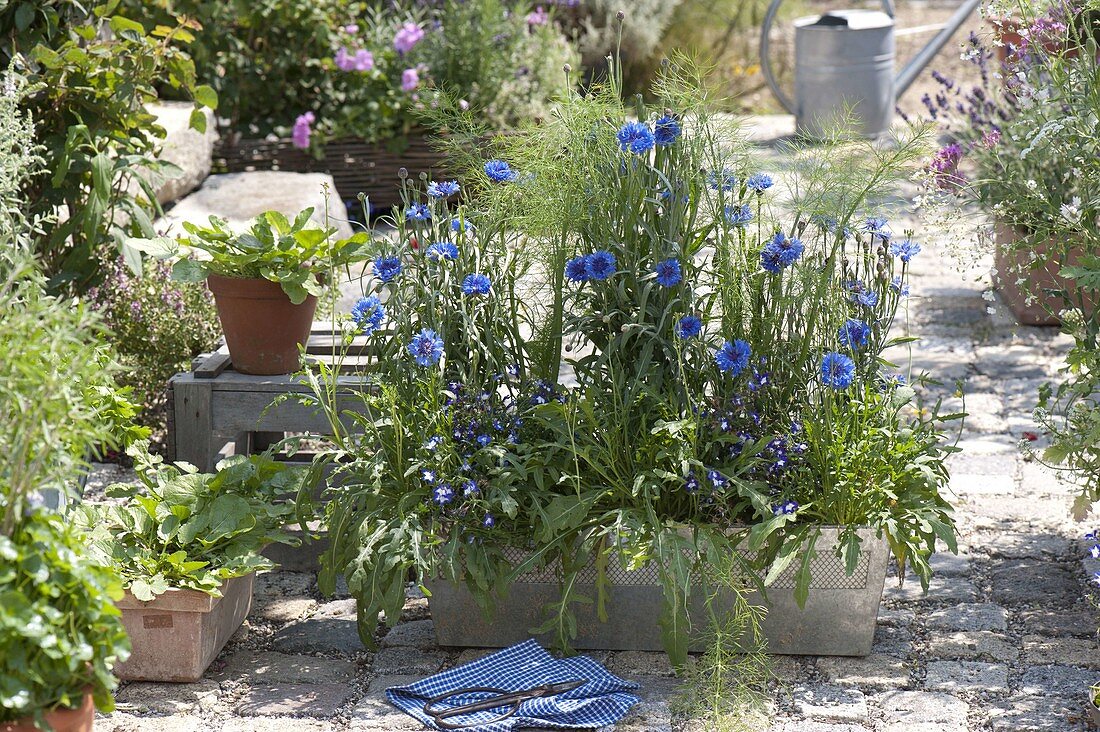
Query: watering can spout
{"points": [[912, 70]]}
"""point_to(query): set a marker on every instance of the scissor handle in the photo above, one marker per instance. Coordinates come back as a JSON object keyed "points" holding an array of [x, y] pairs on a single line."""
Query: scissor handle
{"points": [[503, 698]]}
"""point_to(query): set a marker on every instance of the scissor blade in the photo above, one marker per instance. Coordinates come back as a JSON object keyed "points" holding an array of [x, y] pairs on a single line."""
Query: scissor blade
{"points": [[563, 686]]}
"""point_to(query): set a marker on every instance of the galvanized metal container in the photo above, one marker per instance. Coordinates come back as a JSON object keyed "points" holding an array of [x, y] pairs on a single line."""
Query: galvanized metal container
{"points": [[844, 68], [838, 619]]}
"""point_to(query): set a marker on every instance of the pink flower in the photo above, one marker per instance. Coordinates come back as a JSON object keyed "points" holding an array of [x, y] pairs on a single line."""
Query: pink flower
{"points": [[299, 136], [945, 167], [991, 138], [538, 17], [351, 28], [344, 60], [364, 60], [410, 79], [407, 37], [463, 105]]}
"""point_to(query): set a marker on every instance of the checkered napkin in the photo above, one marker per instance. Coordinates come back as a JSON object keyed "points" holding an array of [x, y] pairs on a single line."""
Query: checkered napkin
{"points": [[602, 701]]}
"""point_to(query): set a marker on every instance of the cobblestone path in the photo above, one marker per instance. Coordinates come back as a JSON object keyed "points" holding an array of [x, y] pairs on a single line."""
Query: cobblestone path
{"points": [[1003, 641]]}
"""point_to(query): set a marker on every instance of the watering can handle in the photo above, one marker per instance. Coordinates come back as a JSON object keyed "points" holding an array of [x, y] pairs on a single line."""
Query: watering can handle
{"points": [[765, 46]]}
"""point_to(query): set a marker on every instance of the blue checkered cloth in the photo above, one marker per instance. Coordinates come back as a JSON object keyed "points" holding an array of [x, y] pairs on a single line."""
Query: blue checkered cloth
{"points": [[603, 700]]}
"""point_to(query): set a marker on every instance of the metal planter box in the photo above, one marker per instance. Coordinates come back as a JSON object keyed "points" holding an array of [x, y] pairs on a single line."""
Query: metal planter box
{"points": [[176, 635], [838, 619]]}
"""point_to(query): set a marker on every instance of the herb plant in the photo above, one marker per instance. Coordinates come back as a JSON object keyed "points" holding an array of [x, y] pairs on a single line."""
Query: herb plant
{"points": [[295, 254], [189, 530]]}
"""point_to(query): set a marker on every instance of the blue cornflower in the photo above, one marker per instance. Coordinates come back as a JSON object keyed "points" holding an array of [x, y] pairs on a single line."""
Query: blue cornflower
{"points": [[668, 273], [787, 508], [499, 171], [457, 225], [446, 189], [867, 298], [576, 269], [722, 179], [599, 265], [386, 268], [759, 182], [418, 212], [733, 358], [738, 215], [635, 137], [665, 130], [782, 251], [426, 348], [469, 488], [443, 494], [368, 314], [689, 326], [716, 479], [476, 284], [837, 370], [442, 250], [905, 249], [854, 334], [488, 522], [899, 287]]}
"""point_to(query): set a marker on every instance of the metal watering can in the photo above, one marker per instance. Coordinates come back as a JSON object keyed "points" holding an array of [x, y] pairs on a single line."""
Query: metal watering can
{"points": [[844, 67]]}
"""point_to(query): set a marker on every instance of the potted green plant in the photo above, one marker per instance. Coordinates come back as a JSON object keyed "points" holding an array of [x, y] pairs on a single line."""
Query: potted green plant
{"points": [[265, 281], [614, 367], [187, 547], [59, 629]]}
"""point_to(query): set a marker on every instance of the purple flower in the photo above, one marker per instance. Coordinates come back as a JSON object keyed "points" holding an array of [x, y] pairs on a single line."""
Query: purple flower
{"points": [[410, 80], [538, 17], [787, 508], [899, 287], [488, 522], [837, 370], [300, 134], [443, 494], [668, 273], [407, 36], [368, 314], [344, 60], [738, 215], [723, 179], [364, 60], [469, 488], [854, 334], [716, 478], [418, 212], [733, 358], [780, 252], [386, 268]]}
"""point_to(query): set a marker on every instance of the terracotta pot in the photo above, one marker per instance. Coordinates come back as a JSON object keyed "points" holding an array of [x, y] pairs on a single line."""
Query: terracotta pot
{"points": [[262, 327], [1091, 709], [61, 720], [1030, 302]]}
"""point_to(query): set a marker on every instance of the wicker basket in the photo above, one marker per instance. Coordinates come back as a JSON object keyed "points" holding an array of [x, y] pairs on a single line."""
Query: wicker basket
{"points": [[355, 166]]}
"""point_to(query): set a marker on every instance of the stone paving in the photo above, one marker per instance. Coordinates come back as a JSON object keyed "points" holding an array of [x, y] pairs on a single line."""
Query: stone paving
{"points": [[1004, 641]]}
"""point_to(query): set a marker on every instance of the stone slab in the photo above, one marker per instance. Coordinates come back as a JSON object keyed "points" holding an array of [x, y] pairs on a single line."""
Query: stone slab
{"points": [[875, 670], [1034, 582], [972, 646], [149, 698], [310, 700], [1035, 714], [417, 634], [921, 707], [320, 635], [1057, 680], [268, 667], [827, 703], [1079, 652], [1059, 622], [399, 660], [969, 617], [967, 676]]}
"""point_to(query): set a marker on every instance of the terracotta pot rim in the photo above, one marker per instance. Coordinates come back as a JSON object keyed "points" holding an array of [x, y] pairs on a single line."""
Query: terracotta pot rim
{"points": [[57, 715]]}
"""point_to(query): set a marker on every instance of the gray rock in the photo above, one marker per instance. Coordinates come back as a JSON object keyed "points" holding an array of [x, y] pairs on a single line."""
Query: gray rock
{"points": [[978, 616], [875, 670], [947, 588], [1034, 582], [188, 149], [640, 663], [1034, 714], [240, 197], [275, 724], [893, 641], [1040, 651], [967, 676], [417, 634], [284, 609], [279, 668], [809, 725], [895, 618], [1059, 622], [121, 722], [911, 708], [946, 564], [148, 698], [1029, 546], [400, 660], [311, 700], [374, 712], [336, 609], [973, 645], [828, 703], [1066, 681], [319, 635]]}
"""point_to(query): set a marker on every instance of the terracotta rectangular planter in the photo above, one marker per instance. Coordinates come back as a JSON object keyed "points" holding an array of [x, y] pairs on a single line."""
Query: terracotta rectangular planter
{"points": [[176, 635], [838, 619], [1031, 302]]}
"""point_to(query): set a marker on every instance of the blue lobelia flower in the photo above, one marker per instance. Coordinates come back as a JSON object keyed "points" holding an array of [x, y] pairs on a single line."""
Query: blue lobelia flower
{"points": [[446, 189], [738, 215], [469, 488], [457, 225], [837, 370], [476, 284], [733, 358], [668, 273], [368, 314], [428, 476], [599, 265], [499, 171], [488, 522], [716, 478], [386, 268], [576, 269], [418, 212], [426, 347], [689, 326], [442, 250], [723, 179], [759, 182], [854, 334], [691, 483], [782, 251], [665, 130], [635, 137], [443, 494], [787, 508], [905, 249]]}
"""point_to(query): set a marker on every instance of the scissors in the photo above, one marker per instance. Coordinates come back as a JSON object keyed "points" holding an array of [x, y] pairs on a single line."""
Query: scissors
{"points": [[501, 698]]}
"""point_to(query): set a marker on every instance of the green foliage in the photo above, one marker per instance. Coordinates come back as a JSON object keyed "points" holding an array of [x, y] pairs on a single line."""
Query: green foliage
{"points": [[295, 254], [92, 71], [155, 326], [633, 40], [59, 628], [189, 530]]}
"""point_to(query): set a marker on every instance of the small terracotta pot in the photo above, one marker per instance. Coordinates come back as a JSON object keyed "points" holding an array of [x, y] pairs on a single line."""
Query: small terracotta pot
{"points": [[1091, 709], [61, 720], [262, 327], [1030, 303]]}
